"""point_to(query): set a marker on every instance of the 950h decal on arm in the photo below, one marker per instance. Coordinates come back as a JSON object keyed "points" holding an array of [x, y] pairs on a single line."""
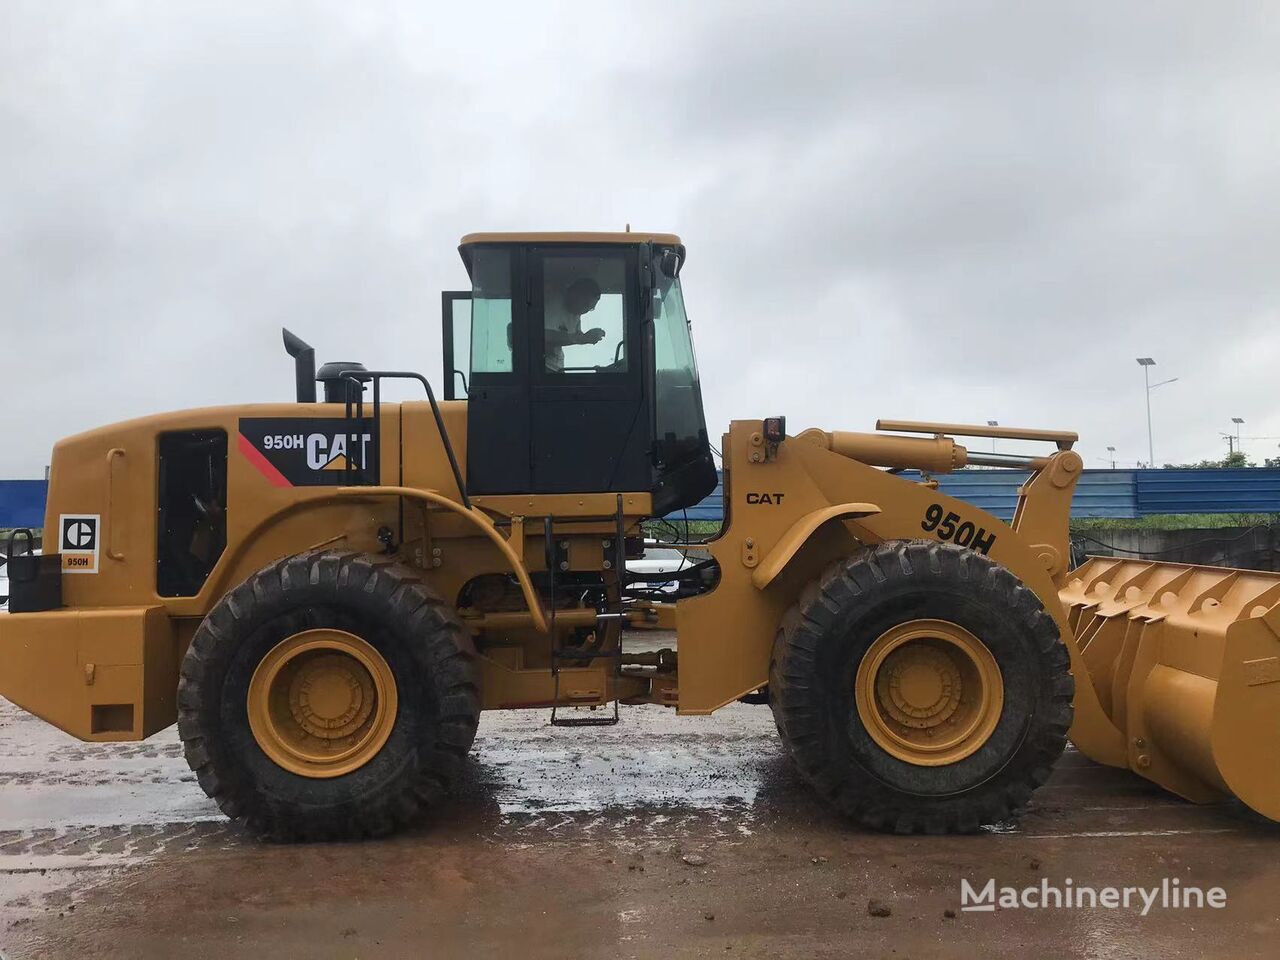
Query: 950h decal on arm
{"points": [[948, 525], [309, 451]]}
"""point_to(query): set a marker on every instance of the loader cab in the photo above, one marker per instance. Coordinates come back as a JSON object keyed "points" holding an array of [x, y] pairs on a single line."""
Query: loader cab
{"points": [[574, 354]]}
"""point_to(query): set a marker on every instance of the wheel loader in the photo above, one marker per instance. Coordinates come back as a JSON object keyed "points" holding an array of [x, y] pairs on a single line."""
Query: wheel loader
{"points": [[325, 594]]}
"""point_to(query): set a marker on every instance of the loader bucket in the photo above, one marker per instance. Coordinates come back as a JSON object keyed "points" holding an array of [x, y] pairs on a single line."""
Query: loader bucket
{"points": [[1185, 661]]}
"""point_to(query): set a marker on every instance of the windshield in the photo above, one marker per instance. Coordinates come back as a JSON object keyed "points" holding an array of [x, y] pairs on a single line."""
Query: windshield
{"points": [[681, 427]]}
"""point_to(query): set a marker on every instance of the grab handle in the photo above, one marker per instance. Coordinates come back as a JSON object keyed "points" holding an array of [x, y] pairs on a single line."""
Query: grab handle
{"points": [[112, 552]]}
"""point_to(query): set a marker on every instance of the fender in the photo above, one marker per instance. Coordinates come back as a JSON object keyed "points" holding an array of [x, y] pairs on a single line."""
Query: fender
{"points": [[482, 522], [799, 533]]}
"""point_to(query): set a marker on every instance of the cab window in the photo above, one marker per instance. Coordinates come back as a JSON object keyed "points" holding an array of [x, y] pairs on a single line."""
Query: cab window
{"points": [[583, 313], [492, 346]]}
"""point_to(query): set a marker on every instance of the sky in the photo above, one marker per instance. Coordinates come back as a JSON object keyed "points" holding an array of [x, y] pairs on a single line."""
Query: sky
{"points": [[958, 212]]}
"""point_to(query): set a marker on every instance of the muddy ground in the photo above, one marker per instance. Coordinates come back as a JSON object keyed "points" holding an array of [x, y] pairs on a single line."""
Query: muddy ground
{"points": [[661, 837]]}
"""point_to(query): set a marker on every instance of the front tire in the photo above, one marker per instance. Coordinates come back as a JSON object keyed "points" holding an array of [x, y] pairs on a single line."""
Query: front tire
{"points": [[330, 695], [921, 687]]}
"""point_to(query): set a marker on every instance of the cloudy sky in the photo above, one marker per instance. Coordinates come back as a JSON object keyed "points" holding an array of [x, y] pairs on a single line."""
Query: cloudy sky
{"points": [[955, 211]]}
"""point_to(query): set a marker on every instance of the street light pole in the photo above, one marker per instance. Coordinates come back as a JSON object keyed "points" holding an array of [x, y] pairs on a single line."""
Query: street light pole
{"points": [[1147, 363], [1237, 421], [1112, 451]]}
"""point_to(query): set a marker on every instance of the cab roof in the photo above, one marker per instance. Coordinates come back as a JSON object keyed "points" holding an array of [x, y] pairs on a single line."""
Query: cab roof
{"points": [[571, 236]]}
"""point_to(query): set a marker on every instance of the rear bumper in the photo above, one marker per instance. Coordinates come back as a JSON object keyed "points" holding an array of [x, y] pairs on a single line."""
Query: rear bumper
{"points": [[107, 674]]}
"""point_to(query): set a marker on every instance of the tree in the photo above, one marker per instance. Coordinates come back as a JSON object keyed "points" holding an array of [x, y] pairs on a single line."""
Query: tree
{"points": [[1233, 460]]}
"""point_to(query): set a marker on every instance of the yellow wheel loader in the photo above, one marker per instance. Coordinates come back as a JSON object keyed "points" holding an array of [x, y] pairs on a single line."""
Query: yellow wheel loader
{"points": [[324, 594]]}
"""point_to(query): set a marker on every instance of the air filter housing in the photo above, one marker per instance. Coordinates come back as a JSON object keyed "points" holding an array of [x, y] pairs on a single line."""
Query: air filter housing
{"points": [[337, 387]]}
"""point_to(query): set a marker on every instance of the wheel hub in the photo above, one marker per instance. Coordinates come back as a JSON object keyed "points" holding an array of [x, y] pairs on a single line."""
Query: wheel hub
{"points": [[919, 686], [322, 703], [331, 695], [929, 692]]}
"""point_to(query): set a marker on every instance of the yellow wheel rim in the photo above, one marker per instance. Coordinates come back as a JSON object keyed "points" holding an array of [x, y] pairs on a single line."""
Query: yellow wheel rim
{"points": [[929, 692], [322, 703]]}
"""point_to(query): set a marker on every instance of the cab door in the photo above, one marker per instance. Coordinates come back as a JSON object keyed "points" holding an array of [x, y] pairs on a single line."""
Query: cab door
{"points": [[589, 429], [485, 337]]}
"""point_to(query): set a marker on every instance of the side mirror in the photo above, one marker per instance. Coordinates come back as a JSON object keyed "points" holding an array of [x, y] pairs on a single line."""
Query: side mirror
{"points": [[669, 263]]}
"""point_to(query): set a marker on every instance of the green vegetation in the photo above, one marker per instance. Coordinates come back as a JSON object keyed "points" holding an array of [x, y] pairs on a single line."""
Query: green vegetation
{"points": [[1177, 521], [703, 529], [7, 532], [678, 530], [1234, 460]]}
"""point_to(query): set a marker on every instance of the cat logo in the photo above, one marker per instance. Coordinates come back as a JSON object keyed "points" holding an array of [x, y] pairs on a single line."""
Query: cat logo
{"points": [[326, 452], [78, 542], [310, 451], [769, 498]]}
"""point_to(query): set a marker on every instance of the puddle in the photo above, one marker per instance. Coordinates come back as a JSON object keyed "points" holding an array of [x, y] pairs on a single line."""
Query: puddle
{"points": [[72, 812]]}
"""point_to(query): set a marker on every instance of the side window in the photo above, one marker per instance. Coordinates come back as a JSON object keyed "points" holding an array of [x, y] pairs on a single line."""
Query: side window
{"points": [[456, 328], [583, 306], [192, 529], [491, 337]]}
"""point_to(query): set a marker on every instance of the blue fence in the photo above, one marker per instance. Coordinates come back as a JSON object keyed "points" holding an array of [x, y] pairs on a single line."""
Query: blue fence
{"points": [[1124, 494], [1100, 493], [1207, 491], [22, 503]]}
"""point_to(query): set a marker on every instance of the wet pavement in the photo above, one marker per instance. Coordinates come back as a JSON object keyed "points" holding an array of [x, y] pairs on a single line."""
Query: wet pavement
{"points": [[663, 836]]}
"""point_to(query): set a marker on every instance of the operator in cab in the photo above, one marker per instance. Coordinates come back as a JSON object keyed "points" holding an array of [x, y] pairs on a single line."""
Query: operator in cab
{"points": [[563, 317]]}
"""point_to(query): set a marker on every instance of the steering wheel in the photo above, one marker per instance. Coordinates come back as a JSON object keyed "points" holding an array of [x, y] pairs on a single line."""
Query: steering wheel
{"points": [[619, 361]]}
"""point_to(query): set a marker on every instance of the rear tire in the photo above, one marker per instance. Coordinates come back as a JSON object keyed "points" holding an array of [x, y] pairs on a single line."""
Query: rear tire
{"points": [[418, 700], [863, 744]]}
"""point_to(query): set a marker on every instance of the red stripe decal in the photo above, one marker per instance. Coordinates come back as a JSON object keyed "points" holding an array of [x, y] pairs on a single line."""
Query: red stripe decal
{"points": [[265, 466]]}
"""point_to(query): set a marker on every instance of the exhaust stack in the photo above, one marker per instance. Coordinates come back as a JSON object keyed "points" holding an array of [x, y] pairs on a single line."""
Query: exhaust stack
{"points": [[304, 365]]}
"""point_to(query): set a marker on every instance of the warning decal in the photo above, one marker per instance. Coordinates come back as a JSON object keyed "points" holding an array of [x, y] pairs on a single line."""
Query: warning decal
{"points": [[78, 536], [309, 451]]}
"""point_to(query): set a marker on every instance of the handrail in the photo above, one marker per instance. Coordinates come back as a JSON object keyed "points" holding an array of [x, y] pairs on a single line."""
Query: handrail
{"points": [[360, 377]]}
